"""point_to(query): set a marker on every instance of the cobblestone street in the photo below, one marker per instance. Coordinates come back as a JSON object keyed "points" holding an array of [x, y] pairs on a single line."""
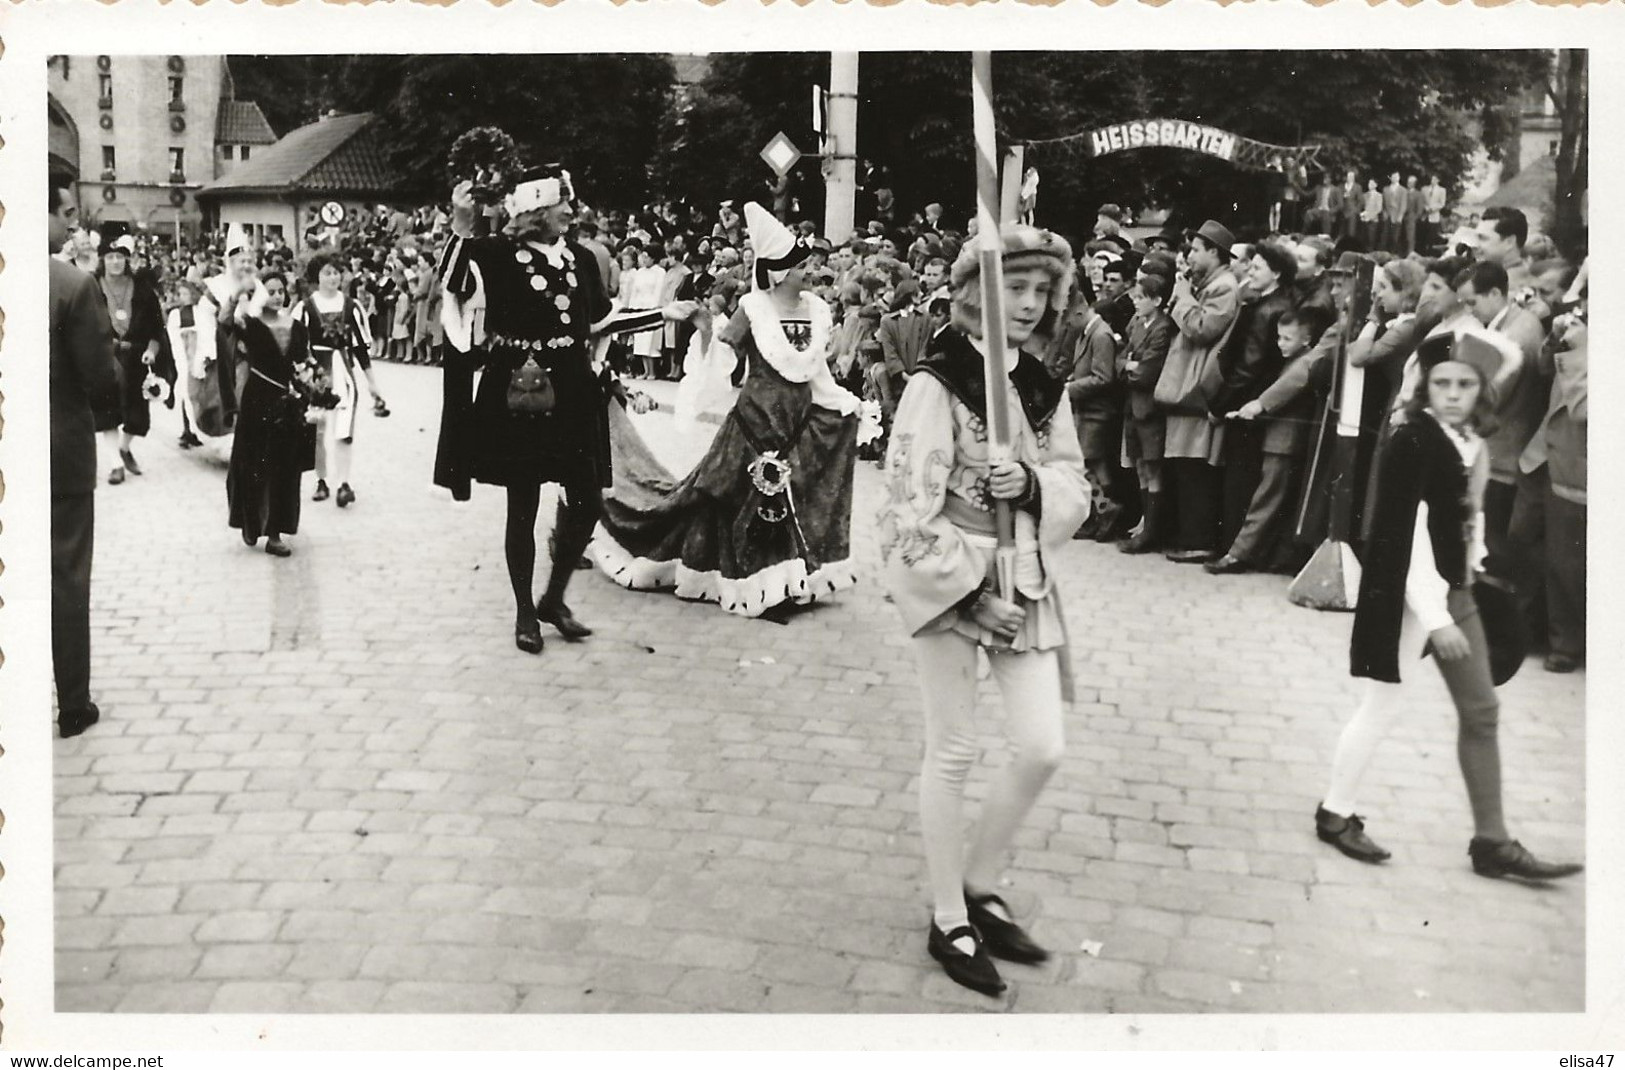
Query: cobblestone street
{"points": [[331, 783]]}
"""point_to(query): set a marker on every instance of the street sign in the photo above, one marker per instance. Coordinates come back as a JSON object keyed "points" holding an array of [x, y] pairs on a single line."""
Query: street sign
{"points": [[332, 213], [781, 154]]}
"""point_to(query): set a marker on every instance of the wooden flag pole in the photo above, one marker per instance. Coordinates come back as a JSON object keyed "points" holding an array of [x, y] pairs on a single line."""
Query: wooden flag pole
{"points": [[991, 251]]}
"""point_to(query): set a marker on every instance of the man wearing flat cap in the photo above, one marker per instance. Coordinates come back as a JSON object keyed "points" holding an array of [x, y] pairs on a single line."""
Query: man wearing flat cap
{"points": [[1206, 302], [527, 305]]}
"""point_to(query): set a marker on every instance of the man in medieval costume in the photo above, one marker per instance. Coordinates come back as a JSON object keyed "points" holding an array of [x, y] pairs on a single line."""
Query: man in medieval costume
{"points": [[525, 305]]}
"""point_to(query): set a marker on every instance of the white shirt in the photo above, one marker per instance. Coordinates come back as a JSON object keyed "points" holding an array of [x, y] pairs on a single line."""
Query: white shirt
{"points": [[1426, 592]]}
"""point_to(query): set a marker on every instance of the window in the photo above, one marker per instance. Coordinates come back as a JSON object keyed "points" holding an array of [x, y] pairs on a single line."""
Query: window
{"points": [[177, 89], [225, 152], [109, 160], [106, 83], [177, 165], [244, 153]]}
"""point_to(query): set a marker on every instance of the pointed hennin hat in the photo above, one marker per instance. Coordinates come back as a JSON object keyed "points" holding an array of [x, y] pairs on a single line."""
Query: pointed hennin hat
{"points": [[236, 240], [777, 249]]}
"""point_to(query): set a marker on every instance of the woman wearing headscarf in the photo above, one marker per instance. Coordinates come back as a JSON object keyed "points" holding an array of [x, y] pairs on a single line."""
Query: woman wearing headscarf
{"points": [[937, 540], [141, 348], [763, 520]]}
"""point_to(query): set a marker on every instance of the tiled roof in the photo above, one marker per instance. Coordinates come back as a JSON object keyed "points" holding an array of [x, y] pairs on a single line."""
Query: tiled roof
{"points": [[242, 123], [338, 154]]}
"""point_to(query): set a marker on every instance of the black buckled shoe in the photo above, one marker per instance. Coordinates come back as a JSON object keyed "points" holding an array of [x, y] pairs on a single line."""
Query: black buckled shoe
{"points": [[345, 495], [322, 493], [561, 618], [974, 971], [1347, 834], [1190, 557], [1512, 859], [1004, 938], [129, 462]]}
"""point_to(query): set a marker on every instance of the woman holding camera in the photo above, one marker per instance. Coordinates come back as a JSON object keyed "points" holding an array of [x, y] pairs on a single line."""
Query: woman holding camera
{"points": [[275, 444]]}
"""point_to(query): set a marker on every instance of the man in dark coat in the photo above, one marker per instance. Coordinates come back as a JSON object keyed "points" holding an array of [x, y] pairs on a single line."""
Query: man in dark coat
{"points": [[530, 306], [1251, 362], [84, 400]]}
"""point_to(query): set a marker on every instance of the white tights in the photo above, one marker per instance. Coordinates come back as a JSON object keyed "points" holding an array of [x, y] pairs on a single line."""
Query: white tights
{"points": [[1030, 684], [1379, 707], [332, 453]]}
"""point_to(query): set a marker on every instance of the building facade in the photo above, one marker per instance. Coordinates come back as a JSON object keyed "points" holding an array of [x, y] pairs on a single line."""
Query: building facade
{"points": [[335, 163], [140, 135]]}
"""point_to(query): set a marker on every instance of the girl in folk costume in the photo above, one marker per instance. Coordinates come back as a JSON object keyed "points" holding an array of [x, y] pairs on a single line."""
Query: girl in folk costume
{"points": [[274, 444], [141, 349], [1417, 596], [764, 518], [937, 541], [334, 328]]}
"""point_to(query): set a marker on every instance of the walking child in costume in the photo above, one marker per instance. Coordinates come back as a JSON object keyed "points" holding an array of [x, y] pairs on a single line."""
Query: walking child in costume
{"points": [[526, 305], [764, 519], [1416, 597], [937, 541], [334, 330]]}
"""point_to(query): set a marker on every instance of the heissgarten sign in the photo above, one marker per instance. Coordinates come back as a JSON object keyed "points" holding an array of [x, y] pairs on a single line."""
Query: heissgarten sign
{"points": [[1166, 133]]}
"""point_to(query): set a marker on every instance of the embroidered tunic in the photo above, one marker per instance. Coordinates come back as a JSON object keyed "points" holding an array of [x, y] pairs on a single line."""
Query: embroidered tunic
{"points": [[936, 528]]}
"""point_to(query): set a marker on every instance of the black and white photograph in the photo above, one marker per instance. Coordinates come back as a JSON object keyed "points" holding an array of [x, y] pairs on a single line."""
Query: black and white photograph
{"points": [[896, 530]]}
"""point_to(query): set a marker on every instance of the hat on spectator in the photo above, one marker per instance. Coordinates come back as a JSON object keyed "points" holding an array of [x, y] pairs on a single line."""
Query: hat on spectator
{"points": [[1110, 211], [1168, 237], [1215, 234], [1347, 263], [124, 243], [1023, 247]]}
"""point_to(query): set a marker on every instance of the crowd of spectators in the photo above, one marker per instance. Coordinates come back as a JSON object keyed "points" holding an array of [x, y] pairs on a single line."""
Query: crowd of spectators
{"points": [[1198, 363]]}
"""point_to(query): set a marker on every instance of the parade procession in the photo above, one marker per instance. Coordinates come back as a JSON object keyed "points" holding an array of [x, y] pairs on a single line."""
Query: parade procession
{"points": [[1040, 544]]}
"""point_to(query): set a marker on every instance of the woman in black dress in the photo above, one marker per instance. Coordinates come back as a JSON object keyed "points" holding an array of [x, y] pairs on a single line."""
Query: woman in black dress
{"points": [[275, 444], [140, 346]]}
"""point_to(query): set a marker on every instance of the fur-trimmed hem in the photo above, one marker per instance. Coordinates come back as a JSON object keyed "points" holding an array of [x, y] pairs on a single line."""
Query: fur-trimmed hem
{"points": [[748, 596]]}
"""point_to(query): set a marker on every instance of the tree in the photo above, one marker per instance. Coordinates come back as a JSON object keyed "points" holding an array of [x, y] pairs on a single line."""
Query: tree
{"points": [[600, 115], [1372, 111], [1569, 92]]}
